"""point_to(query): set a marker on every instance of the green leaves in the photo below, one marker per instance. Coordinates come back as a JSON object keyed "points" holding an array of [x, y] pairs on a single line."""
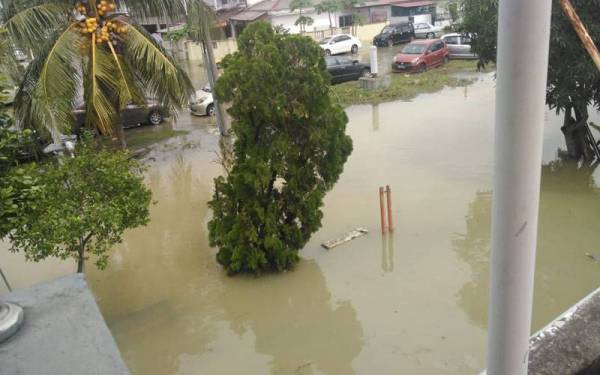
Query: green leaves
{"points": [[290, 148], [87, 200]]}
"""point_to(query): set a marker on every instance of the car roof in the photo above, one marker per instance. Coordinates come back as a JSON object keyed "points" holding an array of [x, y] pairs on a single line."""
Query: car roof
{"points": [[334, 35], [425, 41], [451, 34]]}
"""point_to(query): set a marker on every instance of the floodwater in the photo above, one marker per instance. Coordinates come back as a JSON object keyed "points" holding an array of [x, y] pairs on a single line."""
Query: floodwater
{"points": [[413, 302]]}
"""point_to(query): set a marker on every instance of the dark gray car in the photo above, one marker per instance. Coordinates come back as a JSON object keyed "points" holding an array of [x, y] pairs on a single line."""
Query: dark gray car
{"points": [[344, 69], [459, 46], [132, 115]]}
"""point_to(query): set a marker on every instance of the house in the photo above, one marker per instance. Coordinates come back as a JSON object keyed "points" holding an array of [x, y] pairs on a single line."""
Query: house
{"points": [[278, 13]]}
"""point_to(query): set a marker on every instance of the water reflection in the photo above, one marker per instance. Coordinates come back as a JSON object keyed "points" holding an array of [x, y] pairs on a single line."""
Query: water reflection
{"points": [[375, 119], [295, 321], [568, 229], [173, 310], [387, 252]]}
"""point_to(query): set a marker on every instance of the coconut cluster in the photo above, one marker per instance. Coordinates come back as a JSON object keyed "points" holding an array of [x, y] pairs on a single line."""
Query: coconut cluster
{"points": [[97, 23]]}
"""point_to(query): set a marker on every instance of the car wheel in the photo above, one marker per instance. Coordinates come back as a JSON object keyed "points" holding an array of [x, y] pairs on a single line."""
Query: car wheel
{"points": [[390, 43], [327, 52], [422, 68], [430, 35], [365, 73], [354, 49], [210, 110], [155, 117]]}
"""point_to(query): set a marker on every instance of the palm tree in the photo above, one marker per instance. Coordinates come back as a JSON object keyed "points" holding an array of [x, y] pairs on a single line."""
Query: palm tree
{"points": [[92, 49]]}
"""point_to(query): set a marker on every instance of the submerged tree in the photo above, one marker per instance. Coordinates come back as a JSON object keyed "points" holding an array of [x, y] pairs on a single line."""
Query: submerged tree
{"points": [[573, 79], [92, 49], [290, 148], [82, 206]]}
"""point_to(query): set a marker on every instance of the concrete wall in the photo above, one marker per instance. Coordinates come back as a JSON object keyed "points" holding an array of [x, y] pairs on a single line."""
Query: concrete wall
{"points": [[287, 20], [570, 344], [221, 48]]}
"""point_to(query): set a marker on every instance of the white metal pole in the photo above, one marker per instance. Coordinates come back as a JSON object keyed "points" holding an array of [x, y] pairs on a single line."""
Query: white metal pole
{"points": [[522, 64]]}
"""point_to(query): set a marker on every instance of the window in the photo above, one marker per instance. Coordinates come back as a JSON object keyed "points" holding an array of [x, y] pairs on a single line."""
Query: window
{"points": [[405, 28], [331, 61], [346, 20], [451, 40], [345, 61], [465, 40], [340, 38]]}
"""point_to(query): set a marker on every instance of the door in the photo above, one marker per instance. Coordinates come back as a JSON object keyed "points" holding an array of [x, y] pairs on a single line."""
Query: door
{"points": [[334, 68], [344, 44], [453, 43], [465, 47], [438, 48], [133, 115], [348, 68], [406, 34]]}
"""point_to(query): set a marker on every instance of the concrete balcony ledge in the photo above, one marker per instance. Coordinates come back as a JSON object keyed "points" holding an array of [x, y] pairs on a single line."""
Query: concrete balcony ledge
{"points": [[570, 344], [63, 333]]}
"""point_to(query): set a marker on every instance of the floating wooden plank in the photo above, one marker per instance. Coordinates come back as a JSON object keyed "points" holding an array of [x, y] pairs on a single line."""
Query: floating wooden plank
{"points": [[358, 232]]}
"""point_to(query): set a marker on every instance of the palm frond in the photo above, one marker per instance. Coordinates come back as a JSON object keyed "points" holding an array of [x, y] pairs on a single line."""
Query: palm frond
{"points": [[101, 82], [156, 71], [199, 17], [162, 9], [46, 95], [29, 22], [9, 65]]}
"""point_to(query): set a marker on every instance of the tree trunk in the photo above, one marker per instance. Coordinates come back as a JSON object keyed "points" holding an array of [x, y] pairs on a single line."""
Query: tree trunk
{"points": [[121, 136], [80, 256], [213, 74], [574, 130]]}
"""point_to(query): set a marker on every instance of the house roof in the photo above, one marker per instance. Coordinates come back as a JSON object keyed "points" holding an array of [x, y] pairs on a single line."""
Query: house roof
{"points": [[264, 7]]}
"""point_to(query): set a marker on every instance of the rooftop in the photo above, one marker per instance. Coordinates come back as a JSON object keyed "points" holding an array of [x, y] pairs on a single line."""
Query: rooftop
{"points": [[63, 333]]}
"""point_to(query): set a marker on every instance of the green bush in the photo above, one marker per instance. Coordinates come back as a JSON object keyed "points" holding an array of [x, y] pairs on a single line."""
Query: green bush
{"points": [[290, 148]]}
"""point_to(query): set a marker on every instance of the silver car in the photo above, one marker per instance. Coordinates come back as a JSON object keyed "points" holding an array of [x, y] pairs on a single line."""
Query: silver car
{"points": [[459, 46], [203, 105], [425, 30]]}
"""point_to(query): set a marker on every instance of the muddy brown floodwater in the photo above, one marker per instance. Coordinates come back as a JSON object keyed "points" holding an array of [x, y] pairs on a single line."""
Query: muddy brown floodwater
{"points": [[413, 302]]}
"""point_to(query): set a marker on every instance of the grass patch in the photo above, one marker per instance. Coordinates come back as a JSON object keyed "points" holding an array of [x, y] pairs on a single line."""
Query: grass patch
{"points": [[140, 138], [404, 86]]}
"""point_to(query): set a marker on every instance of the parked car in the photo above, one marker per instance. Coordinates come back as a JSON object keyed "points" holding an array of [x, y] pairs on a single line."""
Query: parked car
{"points": [[394, 34], [203, 104], [131, 116], [424, 30], [420, 55], [340, 43], [344, 69], [459, 46]]}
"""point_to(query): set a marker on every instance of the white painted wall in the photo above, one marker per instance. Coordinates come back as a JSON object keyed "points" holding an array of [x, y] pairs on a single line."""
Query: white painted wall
{"points": [[321, 21]]}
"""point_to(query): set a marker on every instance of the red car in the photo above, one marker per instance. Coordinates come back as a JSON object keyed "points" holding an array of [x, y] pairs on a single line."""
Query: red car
{"points": [[420, 55]]}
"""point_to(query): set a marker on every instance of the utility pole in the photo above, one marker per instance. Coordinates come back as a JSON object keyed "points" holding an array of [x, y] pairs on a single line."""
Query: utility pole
{"points": [[213, 74], [522, 66]]}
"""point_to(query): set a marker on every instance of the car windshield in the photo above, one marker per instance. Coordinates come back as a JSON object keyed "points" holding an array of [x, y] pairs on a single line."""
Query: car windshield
{"points": [[325, 41], [414, 49], [387, 30]]}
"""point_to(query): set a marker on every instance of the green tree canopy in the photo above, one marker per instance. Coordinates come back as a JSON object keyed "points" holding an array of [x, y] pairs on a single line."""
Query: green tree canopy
{"points": [[573, 79], [290, 148], [82, 206]]}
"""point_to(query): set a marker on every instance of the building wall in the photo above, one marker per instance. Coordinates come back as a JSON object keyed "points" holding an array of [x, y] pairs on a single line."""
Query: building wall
{"points": [[287, 20]]}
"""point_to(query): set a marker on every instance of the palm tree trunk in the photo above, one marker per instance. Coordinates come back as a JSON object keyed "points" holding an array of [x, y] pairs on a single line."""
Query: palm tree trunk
{"points": [[121, 136], [213, 74]]}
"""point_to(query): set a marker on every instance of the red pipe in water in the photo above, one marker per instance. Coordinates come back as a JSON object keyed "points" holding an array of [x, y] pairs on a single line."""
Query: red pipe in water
{"points": [[382, 210]]}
